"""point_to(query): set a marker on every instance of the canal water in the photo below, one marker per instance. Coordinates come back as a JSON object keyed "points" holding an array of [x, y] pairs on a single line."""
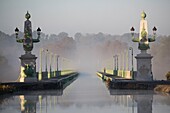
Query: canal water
{"points": [[87, 94]]}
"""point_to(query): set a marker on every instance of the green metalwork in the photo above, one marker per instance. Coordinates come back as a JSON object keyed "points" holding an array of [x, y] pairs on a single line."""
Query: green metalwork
{"points": [[144, 40], [29, 71], [27, 40]]}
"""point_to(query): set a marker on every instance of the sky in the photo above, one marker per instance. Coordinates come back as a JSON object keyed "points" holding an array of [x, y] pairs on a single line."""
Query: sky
{"points": [[86, 16]]}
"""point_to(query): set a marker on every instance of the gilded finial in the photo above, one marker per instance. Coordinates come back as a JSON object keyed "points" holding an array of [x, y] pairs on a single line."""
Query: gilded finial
{"points": [[143, 15], [27, 15]]}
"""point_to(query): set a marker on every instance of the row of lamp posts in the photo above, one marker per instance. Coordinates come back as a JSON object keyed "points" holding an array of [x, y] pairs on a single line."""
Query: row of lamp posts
{"points": [[54, 57], [116, 63]]}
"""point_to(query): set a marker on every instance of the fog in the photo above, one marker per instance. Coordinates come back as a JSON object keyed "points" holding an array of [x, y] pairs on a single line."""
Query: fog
{"points": [[94, 50], [161, 57], [83, 52]]}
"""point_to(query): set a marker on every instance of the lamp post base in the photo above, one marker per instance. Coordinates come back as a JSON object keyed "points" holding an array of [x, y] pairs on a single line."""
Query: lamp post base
{"points": [[144, 67], [28, 68]]}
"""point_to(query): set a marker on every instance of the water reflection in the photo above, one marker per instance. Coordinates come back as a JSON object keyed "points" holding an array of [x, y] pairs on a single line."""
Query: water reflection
{"points": [[119, 101], [139, 101], [28, 103], [144, 103], [86, 95], [30, 100], [47, 102]]}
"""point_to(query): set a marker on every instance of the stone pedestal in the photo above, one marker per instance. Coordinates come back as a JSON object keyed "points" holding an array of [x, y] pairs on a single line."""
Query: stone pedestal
{"points": [[28, 60], [144, 67]]}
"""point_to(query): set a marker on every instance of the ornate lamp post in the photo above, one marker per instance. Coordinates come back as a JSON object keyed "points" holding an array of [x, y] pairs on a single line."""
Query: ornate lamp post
{"points": [[28, 60], [143, 39], [40, 64], [117, 56], [114, 63], [27, 40], [144, 66], [51, 57], [46, 60], [58, 72], [55, 65], [130, 48], [57, 61], [122, 69]]}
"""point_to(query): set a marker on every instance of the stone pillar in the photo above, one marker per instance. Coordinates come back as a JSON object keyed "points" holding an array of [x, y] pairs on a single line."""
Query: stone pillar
{"points": [[144, 67], [28, 68]]}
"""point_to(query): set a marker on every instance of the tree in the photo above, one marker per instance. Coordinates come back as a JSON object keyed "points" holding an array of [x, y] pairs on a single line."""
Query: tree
{"points": [[63, 35], [168, 75], [78, 37]]}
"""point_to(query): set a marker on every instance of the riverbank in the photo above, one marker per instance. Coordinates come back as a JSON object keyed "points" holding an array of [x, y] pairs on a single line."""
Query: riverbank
{"points": [[163, 88]]}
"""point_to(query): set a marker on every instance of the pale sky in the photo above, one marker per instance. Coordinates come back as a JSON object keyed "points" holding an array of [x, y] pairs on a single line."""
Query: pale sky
{"points": [[85, 16]]}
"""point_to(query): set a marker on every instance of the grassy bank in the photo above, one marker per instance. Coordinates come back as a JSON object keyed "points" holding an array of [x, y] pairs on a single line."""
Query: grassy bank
{"points": [[163, 88]]}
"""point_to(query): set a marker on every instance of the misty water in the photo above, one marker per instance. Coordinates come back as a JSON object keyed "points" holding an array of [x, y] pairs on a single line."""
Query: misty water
{"points": [[87, 94]]}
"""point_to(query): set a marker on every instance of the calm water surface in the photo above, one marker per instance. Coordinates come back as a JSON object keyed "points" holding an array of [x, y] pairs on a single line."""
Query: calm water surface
{"points": [[86, 95]]}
